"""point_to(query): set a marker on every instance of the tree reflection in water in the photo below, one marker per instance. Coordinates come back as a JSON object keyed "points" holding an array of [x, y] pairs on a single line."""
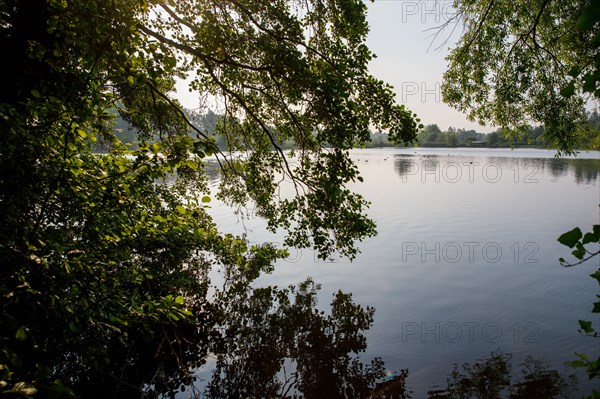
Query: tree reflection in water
{"points": [[491, 378], [276, 343]]}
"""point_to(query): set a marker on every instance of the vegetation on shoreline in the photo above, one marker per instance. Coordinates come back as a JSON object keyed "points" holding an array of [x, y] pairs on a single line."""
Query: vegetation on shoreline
{"points": [[588, 137], [431, 136]]}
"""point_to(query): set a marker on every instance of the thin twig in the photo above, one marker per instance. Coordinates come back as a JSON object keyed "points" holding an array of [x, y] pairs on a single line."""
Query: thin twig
{"points": [[566, 264], [481, 22]]}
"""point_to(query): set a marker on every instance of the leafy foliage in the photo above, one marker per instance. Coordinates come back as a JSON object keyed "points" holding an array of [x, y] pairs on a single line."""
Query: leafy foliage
{"points": [[523, 61], [577, 240], [104, 288]]}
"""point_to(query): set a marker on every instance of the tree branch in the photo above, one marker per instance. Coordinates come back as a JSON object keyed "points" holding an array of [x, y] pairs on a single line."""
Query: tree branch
{"points": [[243, 103], [204, 57], [481, 22], [566, 264], [187, 122]]}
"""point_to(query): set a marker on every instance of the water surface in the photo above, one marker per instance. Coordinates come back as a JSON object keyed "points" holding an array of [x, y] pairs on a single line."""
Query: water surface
{"points": [[466, 260]]}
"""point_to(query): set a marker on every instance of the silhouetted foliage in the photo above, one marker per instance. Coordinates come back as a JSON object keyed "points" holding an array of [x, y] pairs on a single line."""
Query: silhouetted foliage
{"points": [[492, 378]]}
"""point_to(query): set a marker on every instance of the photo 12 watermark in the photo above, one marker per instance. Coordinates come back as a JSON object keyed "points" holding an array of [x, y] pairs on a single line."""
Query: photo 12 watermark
{"points": [[431, 170], [424, 92], [427, 11], [469, 252], [469, 332]]}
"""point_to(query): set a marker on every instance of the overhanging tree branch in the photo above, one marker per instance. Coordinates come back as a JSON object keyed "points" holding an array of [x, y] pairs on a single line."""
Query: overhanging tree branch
{"points": [[196, 53]]}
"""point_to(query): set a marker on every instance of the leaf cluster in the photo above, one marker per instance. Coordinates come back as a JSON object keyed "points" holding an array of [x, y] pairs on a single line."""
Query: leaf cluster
{"points": [[578, 241], [523, 62]]}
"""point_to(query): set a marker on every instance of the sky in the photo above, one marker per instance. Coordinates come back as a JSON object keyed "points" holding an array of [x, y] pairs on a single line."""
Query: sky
{"points": [[401, 34], [412, 60]]}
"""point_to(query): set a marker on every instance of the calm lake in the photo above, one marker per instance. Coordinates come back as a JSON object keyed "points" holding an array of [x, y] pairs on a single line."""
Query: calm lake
{"points": [[466, 260]]}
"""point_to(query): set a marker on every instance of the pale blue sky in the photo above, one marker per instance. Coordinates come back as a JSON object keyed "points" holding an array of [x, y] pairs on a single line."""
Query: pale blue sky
{"points": [[401, 36]]}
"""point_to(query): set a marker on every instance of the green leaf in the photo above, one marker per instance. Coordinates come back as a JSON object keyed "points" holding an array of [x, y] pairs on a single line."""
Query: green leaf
{"points": [[179, 299], [56, 389], [587, 19], [586, 326], [186, 312], [568, 90], [21, 334], [81, 133], [589, 83], [73, 327], [570, 238], [35, 93], [579, 251], [590, 237], [576, 363], [192, 165], [23, 388], [181, 209], [574, 71], [206, 198]]}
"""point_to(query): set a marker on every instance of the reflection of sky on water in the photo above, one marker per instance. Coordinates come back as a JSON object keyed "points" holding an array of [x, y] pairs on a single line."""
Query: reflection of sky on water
{"points": [[434, 270]]}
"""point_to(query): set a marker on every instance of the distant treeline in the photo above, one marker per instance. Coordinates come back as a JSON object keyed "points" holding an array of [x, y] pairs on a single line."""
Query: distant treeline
{"points": [[207, 124], [588, 133], [431, 136]]}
